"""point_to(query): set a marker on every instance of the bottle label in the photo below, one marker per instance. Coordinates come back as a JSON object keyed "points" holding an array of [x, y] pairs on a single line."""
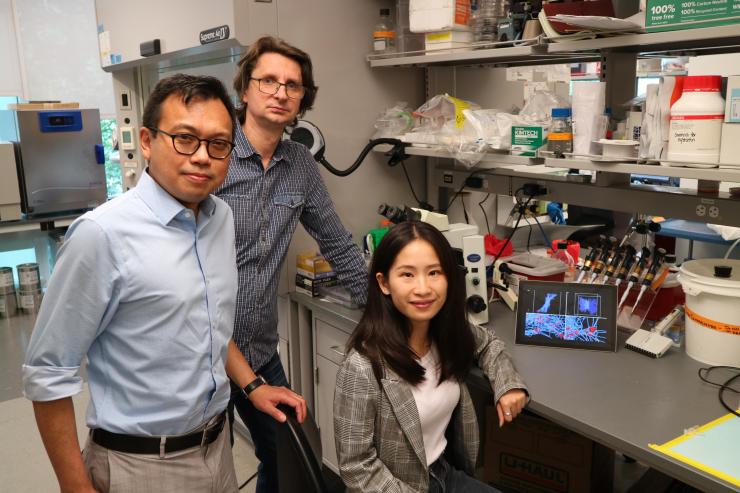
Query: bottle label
{"points": [[6, 279], [695, 134], [384, 34], [380, 45], [28, 277], [28, 301], [462, 12], [560, 136]]}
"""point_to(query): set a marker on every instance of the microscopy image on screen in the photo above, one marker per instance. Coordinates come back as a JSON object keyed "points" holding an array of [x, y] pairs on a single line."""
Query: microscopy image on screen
{"points": [[566, 315]]}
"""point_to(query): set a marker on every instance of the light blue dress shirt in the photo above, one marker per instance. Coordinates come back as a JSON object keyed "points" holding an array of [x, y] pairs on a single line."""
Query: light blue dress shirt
{"points": [[149, 296]]}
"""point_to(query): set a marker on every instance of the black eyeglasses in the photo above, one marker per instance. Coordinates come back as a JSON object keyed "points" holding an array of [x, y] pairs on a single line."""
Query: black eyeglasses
{"points": [[188, 144], [270, 86]]}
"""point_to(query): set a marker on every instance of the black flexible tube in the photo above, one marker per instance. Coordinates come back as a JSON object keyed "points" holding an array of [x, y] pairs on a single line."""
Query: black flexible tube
{"points": [[397, 156]]}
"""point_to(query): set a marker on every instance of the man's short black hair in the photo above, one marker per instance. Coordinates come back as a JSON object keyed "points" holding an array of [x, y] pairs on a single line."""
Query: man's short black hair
{"points": [[189, 87]]}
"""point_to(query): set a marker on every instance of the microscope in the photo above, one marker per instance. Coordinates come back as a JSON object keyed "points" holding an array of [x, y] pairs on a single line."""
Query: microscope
{"points": [[467, 243]]}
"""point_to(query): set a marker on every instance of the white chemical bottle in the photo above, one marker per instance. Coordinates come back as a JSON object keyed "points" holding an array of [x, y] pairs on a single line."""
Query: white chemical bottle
{"points": [[696, 123]]}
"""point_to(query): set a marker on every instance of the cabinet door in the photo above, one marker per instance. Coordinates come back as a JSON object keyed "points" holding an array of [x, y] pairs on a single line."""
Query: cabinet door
{"points": [[284, 353], [327, 376]]}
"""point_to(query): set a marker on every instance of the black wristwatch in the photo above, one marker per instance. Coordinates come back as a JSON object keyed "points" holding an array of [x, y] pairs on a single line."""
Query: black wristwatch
{"points": [[253, 385]]}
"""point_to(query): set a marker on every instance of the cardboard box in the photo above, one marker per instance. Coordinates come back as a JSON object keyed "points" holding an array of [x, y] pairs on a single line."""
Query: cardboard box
{"points": [[533, 455], [310, 286], [732, 99], [313, 265], [672, 15], [525, 140], [447, 40], [43, 106]]}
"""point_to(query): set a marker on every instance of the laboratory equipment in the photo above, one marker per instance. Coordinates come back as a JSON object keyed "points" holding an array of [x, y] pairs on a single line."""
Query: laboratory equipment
{"points": [[591, 257], [60, 159], [634, 276], [10, 197], [629, 260], [8, 303], [647, 281], [384, 34], [567, 315], [500, 284], [655, 343], [613, 264], [603, 259]]}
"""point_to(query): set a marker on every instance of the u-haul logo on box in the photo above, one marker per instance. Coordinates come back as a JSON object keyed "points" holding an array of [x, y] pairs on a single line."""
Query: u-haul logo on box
{"points": [[534, 472]]}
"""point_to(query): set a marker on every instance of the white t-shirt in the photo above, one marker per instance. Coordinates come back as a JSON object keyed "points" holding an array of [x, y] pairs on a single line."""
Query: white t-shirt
{"points": [[435, 405]]}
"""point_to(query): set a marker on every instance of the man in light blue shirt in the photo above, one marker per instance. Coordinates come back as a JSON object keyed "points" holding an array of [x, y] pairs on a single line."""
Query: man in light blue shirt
{"points": [[145, 287]]}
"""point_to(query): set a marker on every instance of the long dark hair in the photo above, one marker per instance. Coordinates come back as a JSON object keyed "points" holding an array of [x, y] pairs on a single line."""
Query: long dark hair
{"points": [[383, 332]]}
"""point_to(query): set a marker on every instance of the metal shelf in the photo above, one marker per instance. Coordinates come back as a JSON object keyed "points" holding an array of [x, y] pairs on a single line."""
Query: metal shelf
{"points": [[491, 160], [718, 39], [709, 174]]}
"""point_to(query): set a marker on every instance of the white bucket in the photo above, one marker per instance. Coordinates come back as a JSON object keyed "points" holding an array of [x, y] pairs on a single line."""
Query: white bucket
{"points": [[712, 310]]}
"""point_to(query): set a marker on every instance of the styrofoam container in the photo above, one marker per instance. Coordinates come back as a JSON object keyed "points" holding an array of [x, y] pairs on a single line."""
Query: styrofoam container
{"points": [[618, 148], [712, 313], [438, 15]]}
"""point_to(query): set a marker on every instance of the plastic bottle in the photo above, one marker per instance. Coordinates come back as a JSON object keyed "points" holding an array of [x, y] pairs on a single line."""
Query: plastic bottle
{"points": [[565, 257], [485, 21], [384, 34], [696, 122], [560, 138]]}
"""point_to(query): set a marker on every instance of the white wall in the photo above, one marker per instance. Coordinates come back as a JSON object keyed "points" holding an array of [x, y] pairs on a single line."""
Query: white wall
{"points": [[11, 80], [337, 35], [59, 46]]}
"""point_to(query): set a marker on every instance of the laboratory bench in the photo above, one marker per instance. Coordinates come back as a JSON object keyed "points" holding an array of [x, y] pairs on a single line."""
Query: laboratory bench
{"points": [[622, 400]]}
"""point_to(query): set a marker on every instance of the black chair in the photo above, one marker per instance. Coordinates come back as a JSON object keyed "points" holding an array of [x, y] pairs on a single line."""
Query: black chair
{"points": [[299, 455]]}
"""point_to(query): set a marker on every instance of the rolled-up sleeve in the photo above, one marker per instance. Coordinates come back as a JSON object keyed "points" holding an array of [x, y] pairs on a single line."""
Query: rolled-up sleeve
{"points": [[75, 309]]}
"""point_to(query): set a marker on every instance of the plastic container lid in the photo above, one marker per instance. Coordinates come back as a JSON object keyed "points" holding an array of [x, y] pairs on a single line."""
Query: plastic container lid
{"points": [[702, 83], [561, 112], [698, 276], [535, 266]]}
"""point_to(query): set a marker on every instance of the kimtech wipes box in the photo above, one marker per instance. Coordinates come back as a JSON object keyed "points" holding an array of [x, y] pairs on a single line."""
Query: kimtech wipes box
{"points": [[525, 140]]}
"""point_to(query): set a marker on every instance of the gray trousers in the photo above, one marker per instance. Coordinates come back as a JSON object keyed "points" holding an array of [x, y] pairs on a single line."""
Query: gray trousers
{"points": [[208, 469]]}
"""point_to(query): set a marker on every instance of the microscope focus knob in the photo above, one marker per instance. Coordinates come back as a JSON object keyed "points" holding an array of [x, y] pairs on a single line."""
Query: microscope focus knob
{"points": [[476, 303], [475, 281]]}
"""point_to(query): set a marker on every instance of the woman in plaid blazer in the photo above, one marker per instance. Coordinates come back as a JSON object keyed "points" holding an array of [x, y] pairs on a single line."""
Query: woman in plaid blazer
{"points": [[403, 418]]}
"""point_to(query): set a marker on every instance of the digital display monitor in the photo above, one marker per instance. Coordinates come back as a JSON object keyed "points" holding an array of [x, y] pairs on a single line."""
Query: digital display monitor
{"points": [[567, 315]]}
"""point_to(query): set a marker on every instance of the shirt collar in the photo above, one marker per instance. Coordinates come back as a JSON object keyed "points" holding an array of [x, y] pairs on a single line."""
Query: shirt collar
{"points": [[243, 148], [162, 204]]}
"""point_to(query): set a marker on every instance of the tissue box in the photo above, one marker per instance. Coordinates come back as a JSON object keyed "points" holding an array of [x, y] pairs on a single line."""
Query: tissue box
{"points": [[438, 15], [672, 15], [525, 140]]}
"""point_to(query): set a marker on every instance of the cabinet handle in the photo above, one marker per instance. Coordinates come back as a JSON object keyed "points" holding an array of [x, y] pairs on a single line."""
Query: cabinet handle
{"points": [[336, 350]]}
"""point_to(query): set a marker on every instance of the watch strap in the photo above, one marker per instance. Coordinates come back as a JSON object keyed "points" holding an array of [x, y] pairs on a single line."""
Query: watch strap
{"points": [[253, 385]]}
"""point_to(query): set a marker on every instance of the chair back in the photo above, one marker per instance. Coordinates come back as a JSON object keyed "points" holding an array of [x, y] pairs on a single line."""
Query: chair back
{"points": [[299, 455]]}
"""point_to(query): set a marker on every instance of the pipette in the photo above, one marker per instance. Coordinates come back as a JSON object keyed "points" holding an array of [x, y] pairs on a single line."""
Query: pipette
{"points": [[635, 274], [603, 259], [617, 259], [657, 262], [629, 261], [595, 251]]}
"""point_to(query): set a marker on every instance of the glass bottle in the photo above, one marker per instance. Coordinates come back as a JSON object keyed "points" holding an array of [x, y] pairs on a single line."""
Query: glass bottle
{"points": [[384, 34]]}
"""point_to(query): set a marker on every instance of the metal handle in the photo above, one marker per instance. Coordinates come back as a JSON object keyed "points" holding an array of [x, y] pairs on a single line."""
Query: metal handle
{"points": [[336, 350]]}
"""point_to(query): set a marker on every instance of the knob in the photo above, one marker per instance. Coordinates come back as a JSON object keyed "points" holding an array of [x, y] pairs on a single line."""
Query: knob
{"points": [[476, 281], [476, 303]]}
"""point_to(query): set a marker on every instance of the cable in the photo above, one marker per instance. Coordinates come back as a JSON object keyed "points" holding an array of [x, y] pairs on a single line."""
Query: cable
{"points": [[729, 250], [480, 204], [544, 235], [460, 190], [408, 180], [465, 211], [529, 235], [722, 386], [397, 156], [248, 480]]}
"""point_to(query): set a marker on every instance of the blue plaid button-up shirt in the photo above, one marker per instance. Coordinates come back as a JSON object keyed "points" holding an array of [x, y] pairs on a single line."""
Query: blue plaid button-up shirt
{"points": [[267, 205]]}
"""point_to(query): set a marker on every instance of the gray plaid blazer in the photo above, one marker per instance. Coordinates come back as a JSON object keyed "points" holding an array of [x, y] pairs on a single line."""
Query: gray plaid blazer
{"points": [[377, 428]]}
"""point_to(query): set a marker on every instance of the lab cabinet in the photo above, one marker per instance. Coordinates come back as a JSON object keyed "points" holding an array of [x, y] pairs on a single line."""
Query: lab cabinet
{"points": [[329, 343], [458, 73]]}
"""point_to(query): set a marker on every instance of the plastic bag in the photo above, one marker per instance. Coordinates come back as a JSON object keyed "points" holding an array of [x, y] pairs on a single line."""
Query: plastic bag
{"points": [[394, 121], [540, 104]]}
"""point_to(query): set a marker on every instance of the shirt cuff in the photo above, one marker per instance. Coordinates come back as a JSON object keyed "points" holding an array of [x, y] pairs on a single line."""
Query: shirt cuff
{"points": [[48, 383]]}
